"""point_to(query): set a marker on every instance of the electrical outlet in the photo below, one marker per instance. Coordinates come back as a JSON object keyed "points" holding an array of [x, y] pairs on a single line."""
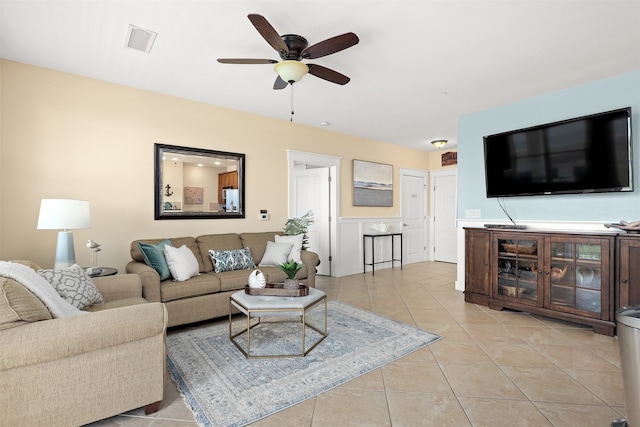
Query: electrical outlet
{"points": [[472, 213]]}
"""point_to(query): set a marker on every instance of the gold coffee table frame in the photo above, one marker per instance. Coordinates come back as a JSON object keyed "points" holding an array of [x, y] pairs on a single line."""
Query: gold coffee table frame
{"points": [[253, 306]]}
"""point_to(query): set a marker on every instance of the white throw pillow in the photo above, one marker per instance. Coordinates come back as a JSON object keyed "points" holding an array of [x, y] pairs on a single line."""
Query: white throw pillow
{"points": [[276, 253], [74, 285], [182, 263], [296, 241]]}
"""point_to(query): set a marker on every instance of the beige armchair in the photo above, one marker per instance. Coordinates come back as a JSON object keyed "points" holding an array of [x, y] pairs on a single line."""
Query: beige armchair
{"points": [[75, 370]]}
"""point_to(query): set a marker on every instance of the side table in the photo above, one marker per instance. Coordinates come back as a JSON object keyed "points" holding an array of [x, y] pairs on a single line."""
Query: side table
{"points": [[105, 271], [373, 237]]}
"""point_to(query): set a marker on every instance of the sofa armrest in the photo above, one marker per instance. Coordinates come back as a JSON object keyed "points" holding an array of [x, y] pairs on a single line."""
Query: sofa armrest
{"points": [[149, 278], [48, 340], [120, 286], [310, 260]]}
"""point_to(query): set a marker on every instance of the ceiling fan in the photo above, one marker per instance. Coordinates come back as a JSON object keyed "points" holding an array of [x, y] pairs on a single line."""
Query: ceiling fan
{"points": [[293, 49]]}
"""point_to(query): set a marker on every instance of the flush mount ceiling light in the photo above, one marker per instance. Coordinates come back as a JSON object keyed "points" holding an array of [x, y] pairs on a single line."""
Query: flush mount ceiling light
{"points": [[439, 143], [291, 71], [140, 39]]}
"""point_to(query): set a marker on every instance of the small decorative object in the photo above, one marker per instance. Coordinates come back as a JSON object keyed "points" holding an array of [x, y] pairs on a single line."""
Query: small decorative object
{"points": [[381, 228], [291, 268], [168, 191], [584, 276], [257, 279], [557, 273], [449, 158], [299, 225], [95, 248], [628, 226]]}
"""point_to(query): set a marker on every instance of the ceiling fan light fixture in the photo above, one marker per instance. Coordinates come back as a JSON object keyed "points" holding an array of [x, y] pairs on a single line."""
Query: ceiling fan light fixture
{"points": [[439, 143], [291, 71]]}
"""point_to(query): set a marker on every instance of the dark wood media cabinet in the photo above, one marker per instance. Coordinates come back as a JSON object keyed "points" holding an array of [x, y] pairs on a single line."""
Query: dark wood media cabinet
{"points": [[580, 277]]}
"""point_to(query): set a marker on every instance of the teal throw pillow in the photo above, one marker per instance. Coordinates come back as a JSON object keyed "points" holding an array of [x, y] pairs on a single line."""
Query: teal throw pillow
{"points": [[237, 259], [154, 257]]}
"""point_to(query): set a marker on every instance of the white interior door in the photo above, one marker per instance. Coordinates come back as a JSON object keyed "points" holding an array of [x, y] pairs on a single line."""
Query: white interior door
{"points": [[312, 193], [414, 215], [444, 216]]}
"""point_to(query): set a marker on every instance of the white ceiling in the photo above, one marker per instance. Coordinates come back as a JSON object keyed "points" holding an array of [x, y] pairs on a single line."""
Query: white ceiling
{"points": [[418, 67]]}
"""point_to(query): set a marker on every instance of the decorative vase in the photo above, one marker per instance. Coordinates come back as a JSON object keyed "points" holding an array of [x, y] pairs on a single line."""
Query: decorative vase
{"points": [[257, 280], [291, 284]]}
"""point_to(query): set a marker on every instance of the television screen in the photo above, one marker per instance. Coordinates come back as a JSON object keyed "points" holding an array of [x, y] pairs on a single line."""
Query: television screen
{"points": [[590, 154]]}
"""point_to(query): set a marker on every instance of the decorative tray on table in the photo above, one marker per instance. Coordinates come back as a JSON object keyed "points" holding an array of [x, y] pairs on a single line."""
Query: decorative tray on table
{"points": [[278, 290]]}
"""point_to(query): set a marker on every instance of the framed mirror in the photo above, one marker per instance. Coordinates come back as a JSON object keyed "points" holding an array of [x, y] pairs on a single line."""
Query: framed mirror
{"points": [[194, 183]]}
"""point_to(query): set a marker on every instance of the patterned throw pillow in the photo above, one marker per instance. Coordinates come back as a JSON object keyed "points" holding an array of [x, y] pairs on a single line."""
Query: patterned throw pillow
{"points": [[237, 259], [74, 285]]}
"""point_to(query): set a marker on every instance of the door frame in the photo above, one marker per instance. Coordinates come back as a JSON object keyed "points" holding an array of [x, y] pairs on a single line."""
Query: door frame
{"points": [[425, 175], [294, 158], [432, 205]]}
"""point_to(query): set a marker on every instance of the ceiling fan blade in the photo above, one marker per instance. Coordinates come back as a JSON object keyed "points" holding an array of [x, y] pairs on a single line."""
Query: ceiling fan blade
{"points": [[328, 74], [279, 83], [329, 46], [246, 61], [268, 32]]}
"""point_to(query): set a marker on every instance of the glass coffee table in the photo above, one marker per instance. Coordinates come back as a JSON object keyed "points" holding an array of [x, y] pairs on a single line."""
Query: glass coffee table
{"points": [[265, 317]]}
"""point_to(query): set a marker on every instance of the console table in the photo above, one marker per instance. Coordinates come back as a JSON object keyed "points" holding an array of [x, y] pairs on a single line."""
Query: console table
{"points": [[373, 237]]}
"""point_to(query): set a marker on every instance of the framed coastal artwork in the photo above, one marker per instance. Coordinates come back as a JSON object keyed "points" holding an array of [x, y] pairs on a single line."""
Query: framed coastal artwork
{"points": [[372, 184], [193, 195]]}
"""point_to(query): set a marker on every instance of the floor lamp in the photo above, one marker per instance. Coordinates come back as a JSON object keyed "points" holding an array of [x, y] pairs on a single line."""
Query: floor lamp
{"points": [[64, 214]]}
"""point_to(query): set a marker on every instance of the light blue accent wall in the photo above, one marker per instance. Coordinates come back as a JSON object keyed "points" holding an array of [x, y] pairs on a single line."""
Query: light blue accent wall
{"points": [[595, 97]]}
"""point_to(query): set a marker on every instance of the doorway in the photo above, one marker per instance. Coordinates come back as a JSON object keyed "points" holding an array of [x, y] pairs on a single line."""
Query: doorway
{"points": [[313, 187], [443, 212], [413, 184]]}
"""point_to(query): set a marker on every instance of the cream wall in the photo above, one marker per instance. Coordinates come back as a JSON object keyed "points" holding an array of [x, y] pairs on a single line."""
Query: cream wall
{"points": [[64, 136]]}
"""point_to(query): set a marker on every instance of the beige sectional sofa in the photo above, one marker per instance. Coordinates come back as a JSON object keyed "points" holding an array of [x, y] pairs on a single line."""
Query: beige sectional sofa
{"points": [[206, 296], [71, 371]]}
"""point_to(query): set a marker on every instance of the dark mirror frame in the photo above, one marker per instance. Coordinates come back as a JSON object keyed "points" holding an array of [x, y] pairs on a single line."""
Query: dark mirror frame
{"points": [[161, 213]]}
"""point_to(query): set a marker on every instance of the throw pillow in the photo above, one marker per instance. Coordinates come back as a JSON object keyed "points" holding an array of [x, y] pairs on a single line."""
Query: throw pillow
{"points": [[276, 253], [237, 259], [154, 257], [182, 263], [296, 241], [74, 285]]}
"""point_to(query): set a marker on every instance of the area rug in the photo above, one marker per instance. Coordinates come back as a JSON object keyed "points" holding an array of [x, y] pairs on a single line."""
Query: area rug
{"points": [[223, 388]]}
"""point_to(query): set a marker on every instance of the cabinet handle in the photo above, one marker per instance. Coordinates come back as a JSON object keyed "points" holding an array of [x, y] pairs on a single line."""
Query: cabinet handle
{"points": [[546, 272], [486, 263], [539, 271], [624, 280]]}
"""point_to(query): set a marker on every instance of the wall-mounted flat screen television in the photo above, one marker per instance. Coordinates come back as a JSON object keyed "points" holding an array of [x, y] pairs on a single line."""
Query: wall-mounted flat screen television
{"points": [[590, 154]]}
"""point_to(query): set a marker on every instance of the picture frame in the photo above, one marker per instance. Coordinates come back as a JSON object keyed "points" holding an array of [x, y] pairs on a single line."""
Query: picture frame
{"points": [[372, 184]]}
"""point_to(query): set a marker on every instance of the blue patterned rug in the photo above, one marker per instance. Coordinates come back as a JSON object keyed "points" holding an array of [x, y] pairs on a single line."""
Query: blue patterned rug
{"points": [[223, 388]]}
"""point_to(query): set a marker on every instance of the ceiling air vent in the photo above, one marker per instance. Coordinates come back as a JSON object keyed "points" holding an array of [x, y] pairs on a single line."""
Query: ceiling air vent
{"points": [[140, 39]]}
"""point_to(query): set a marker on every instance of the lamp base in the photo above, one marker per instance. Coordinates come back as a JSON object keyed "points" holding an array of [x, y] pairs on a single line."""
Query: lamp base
{"points": [[65, 253]]}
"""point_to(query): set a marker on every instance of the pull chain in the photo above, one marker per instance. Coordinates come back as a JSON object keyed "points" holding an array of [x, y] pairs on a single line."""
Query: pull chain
{"points": [[292, 113]]}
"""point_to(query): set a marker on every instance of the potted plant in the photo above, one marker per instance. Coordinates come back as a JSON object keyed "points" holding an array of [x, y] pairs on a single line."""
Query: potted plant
{"points": [[290, 268], [299, 225]]}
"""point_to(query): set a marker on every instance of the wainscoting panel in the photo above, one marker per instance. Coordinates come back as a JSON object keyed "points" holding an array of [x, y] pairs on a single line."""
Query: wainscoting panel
{"points": [[350, 244]]}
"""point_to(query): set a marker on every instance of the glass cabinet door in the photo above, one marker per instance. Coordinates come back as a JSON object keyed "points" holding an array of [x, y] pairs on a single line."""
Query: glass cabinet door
{"points": [[575, 276], [518, 267]]}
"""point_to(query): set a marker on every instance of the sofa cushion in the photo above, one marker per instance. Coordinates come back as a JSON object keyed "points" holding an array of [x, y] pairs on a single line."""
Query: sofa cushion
{"points": [[257, 242], [18, 305], [154, 257], [202, 284], [189, 242], [217, 242], [296, 241], [236, 259], [276, 253], [183, 265], [122, 302], [74, 285]]}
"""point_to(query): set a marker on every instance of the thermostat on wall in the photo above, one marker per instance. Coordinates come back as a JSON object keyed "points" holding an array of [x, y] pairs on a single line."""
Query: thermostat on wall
{"points": [[264, 215]]}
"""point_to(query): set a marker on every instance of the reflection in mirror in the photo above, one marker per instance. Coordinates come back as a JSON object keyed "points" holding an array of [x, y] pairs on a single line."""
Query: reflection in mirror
{"points": [[192, 183]]}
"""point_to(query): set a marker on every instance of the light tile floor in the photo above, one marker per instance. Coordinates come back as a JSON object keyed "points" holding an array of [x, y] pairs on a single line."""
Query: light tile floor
{"points": [[493, 368]]}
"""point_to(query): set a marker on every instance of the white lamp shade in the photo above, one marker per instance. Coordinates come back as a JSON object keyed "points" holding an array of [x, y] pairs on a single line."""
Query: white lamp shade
{"points": [[64, 214], [291, 71]]}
